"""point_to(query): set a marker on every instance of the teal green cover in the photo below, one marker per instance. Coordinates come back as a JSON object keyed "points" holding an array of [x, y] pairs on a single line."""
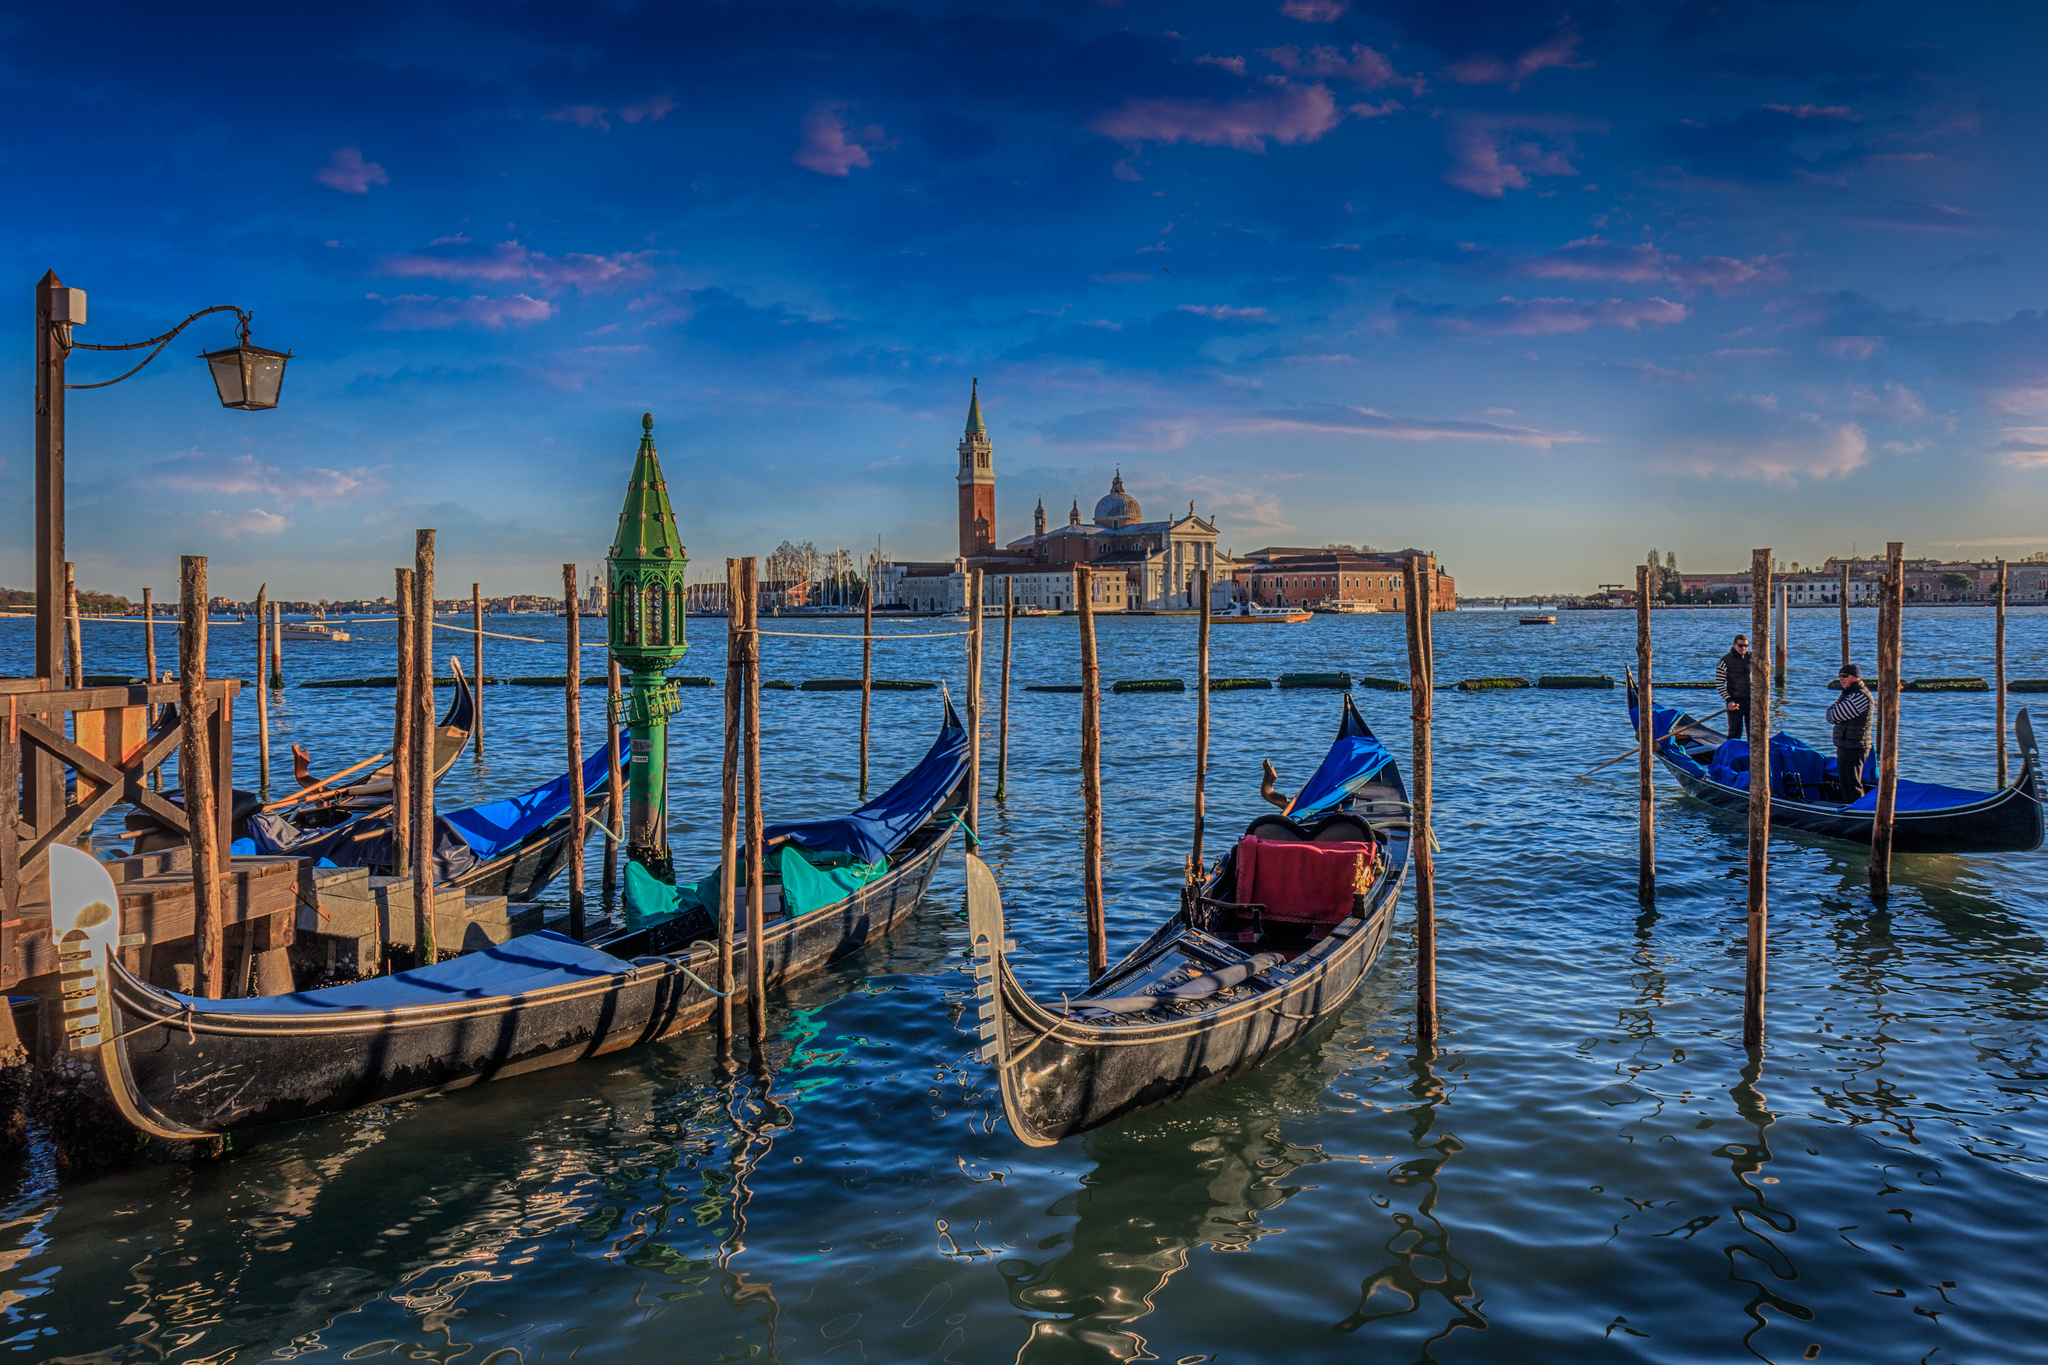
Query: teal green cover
{"points": [[649, 896], [806, 887]]}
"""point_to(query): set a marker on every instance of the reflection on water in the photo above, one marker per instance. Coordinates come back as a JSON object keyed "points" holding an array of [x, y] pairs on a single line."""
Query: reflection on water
{"points": [[1553, 1185]]}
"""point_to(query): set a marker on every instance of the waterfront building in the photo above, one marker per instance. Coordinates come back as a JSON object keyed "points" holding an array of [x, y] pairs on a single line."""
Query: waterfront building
{"points": [[1296, 576]]}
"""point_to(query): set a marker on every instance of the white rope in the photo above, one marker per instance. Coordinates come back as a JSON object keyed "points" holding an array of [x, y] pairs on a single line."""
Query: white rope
{"points": [[807, 635]]}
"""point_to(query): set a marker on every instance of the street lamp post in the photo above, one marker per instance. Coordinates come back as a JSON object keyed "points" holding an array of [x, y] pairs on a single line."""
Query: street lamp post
{"points": [[246, 377]]}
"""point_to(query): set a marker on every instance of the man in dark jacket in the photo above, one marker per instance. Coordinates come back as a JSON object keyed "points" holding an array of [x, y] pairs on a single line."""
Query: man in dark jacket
{"points": [[1850, 715], [1731, 678]]}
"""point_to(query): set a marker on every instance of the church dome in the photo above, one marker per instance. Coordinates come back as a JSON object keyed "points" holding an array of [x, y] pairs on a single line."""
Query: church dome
{"points": [[1117, 507]]}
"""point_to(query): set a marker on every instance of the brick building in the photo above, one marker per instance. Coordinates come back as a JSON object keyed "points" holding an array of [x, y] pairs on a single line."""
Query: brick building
{"points": [[1289, 576]]}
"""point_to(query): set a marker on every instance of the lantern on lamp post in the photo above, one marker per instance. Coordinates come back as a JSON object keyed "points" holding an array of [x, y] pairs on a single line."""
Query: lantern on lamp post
{"points": [[246, 377]]}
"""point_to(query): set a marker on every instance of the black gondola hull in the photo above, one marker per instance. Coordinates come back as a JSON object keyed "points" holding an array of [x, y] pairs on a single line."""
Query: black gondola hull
{"points": [[180, 1074], [2005, 821]]}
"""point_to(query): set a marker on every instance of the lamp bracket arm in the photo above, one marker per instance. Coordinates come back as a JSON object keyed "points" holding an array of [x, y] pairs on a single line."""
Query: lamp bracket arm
{"points": [[159, 342]]}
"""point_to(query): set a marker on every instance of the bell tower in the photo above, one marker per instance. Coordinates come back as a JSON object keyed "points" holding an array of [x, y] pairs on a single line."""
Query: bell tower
{"points": [[977, 484]]}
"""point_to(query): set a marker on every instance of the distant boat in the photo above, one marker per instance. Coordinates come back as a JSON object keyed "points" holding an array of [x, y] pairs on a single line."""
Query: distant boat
{"points": [[312, 630], [1539, 619], [1248, 613], [1339, 607]]}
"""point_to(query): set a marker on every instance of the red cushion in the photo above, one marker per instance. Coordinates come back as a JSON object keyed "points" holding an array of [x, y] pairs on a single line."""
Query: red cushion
{"points": [[1303, 883]]}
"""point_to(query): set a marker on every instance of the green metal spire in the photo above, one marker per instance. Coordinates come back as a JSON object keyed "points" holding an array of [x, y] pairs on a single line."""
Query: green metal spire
{"points": [[648, 577], [647, 523], [975, 426]]}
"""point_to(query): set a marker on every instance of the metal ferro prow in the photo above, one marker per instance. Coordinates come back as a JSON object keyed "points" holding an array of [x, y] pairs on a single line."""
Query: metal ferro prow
{"points": [[987, 944]]}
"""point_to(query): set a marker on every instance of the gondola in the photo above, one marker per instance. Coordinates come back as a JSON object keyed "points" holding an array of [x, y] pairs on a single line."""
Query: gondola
{"points": [[183, 1067], [1276, 941], [1930, 818], [323, 805], [510, 847]]}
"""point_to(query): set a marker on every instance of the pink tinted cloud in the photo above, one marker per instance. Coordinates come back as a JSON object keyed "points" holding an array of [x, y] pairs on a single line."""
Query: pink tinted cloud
{"points": [[831, 148], [654, 110], [583, 116], [348, 172], [1360, 421], [1361, 66], [1234, 65], [428, 313], [1315, 11], [1488, 160], [1595, 258], [1285, 113], [1814, 450], [196, 471], [1225, 313], [1512, 317], [509, 261], [1484, 68]]}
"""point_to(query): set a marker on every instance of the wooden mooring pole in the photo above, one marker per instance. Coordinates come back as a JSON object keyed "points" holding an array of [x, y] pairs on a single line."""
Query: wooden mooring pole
{"points": [[867, 673], [195, 774], [276, 646], [1003, 701], [1091, 774], [262, 692], [974, 629], [73, 644], [1195, 858], [1778, 643], [401, 731], [424, 745], [1998, 671], [572, 723], [757, 904], [476, 621], [1759, 797], [615, 777], [1842, 600], [729, 809], [1421, 696], [1646, 746], [156, 774], [1889, 641]]}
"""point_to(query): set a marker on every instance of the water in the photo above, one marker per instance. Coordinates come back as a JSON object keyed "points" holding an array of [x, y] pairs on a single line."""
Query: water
{"points": [[1588, 1169]]}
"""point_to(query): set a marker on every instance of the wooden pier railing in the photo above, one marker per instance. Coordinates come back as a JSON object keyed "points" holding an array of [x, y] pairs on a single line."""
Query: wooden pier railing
{"points": [[67, 757]]}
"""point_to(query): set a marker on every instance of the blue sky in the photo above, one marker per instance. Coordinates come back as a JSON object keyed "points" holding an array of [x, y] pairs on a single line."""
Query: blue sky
{"points": [[1536, 286]]}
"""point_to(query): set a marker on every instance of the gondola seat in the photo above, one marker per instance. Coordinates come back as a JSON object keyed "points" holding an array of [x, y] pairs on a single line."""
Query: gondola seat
{"points": [[1309, 882]]}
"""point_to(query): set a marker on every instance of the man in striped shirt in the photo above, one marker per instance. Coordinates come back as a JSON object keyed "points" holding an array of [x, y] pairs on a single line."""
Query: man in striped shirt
{"points": [[1850, 715], [1731, 678]]}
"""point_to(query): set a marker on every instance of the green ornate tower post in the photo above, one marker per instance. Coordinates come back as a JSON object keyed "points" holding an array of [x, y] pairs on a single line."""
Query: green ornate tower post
{"points": [[647, 565]]}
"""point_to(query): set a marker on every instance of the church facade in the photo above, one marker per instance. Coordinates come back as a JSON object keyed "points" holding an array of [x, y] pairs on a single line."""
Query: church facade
{"points": [[1156, 560]]}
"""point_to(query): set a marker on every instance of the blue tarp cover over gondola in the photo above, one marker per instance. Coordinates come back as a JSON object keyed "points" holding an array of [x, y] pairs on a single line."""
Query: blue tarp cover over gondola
{"points": [[872, 833], [1350, 764], [518, 966], [496, 826]]}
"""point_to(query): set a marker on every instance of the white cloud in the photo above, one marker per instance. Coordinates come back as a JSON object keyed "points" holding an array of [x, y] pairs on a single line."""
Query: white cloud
{"points": [[348, 172]]}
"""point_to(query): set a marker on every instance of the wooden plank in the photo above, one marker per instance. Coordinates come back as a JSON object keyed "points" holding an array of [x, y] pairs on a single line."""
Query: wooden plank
{"points": [[104, 698], [161, 908]]}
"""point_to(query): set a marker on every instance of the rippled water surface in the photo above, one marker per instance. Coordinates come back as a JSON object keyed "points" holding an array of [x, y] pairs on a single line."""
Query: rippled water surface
{"points": [[1590, 1167]]}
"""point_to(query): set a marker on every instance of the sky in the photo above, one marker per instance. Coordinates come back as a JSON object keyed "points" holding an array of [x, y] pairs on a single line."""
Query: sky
{"points": [[1538, 287]]}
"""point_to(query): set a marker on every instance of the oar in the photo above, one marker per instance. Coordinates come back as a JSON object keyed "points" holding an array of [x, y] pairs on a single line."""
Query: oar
{"points": [[304, 792], [1629, 752]]}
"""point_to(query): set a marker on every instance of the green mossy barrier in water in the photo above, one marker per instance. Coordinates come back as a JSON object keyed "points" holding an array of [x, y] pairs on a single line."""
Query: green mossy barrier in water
{"points": [[853, 685], [690, 680], [1490, 684], [1340, 682], [2027, 685], [1239, 684], [1569, 680], [1944, 685], [1660, 685], [776, 685], [1149, 685], [1053, 687], [1384, 684]]}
